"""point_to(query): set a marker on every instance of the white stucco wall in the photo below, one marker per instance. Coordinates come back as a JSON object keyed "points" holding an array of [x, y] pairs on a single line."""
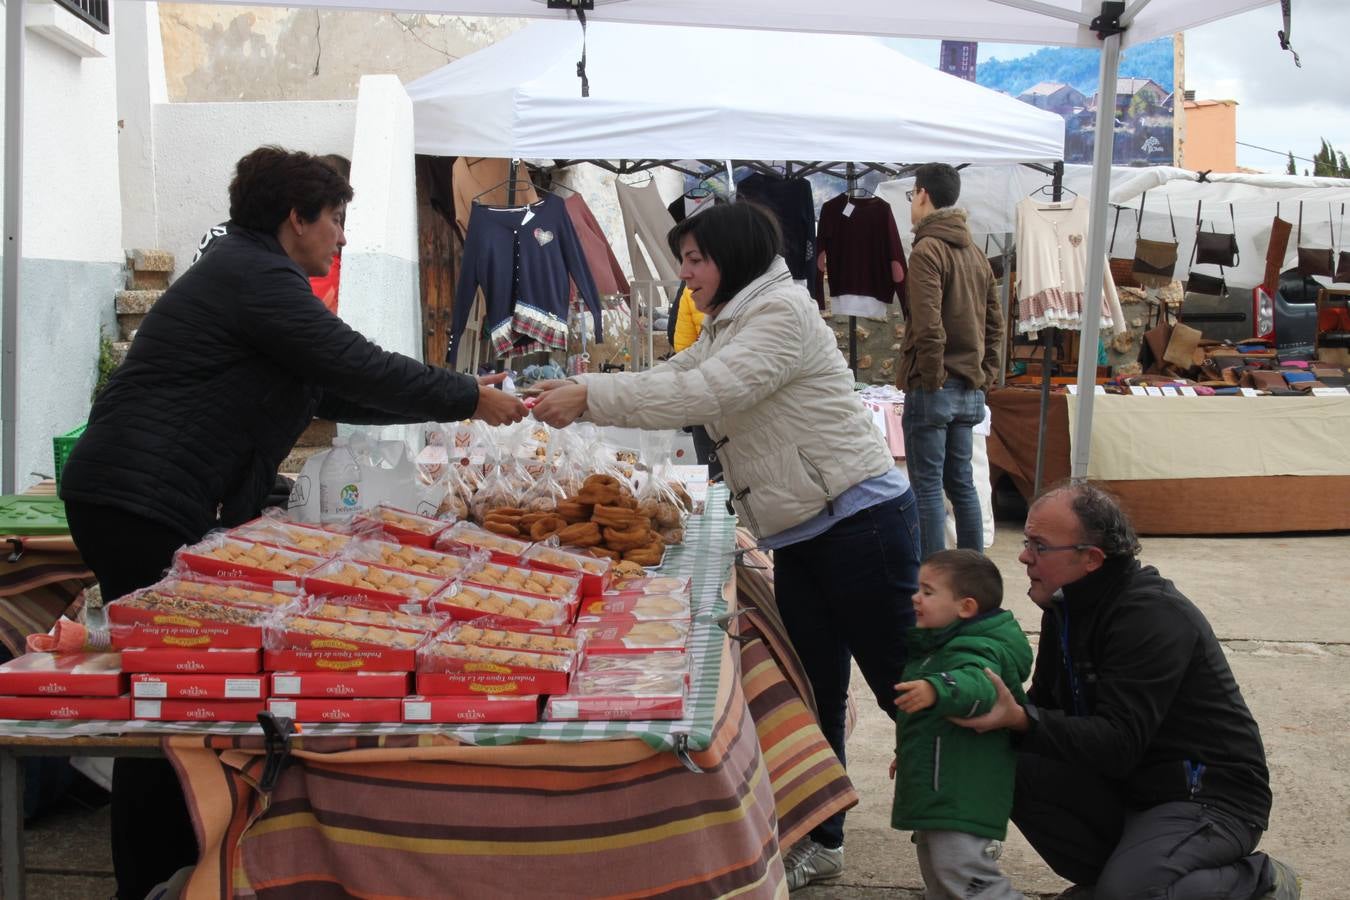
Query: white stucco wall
{"points": [[196, 147], [379, 290], [72, 236], [140, 87], [379, 294]]}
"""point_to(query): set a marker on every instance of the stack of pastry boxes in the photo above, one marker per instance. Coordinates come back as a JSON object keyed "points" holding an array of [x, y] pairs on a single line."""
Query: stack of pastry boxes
{"points": [[322, 626], [507, 642], [635, 664]]}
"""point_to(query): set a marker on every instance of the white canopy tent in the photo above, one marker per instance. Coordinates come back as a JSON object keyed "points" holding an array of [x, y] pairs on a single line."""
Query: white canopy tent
{"points": [[834, 97], [1060, 22]]}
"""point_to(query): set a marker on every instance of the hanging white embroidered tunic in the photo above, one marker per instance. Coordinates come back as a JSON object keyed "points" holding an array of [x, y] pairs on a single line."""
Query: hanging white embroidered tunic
{"points": [[1052, 268]]}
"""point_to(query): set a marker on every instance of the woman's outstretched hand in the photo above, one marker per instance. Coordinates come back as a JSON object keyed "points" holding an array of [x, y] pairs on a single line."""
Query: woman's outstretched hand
{"points": [[496, 407], [561, 403]]}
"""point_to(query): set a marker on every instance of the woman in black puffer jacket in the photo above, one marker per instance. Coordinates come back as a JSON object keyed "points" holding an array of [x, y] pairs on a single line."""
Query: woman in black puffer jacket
{"points": [[226, 371]]}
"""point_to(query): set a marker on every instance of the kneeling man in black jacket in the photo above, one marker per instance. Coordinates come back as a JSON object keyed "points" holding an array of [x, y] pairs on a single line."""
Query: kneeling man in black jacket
{"points": [[1140, 770]]}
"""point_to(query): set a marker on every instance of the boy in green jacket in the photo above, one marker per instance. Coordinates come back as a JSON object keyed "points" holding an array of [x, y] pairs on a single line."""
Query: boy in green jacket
{"points": [[955, 786]]}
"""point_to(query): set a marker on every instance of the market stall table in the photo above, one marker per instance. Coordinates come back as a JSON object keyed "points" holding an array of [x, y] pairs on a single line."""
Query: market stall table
{"points": [[687, 806], [1202, 465]]}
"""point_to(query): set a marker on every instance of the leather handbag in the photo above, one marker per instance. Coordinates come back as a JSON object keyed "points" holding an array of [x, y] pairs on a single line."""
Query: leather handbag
{"points": [[1342, 275], [1215, 248], [1313, 261], [1276, 250], [1181, 346], [1154, 345], [1210, 285], [998, 263], [1122, 267], [1155, 261]]}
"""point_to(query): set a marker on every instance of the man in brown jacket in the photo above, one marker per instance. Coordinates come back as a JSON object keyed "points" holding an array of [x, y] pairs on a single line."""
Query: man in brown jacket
{"points": [[948, 359]]}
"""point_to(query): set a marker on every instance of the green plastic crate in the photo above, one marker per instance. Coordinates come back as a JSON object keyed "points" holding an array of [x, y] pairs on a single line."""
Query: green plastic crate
{"points": [[32, 515], [61, 446]]}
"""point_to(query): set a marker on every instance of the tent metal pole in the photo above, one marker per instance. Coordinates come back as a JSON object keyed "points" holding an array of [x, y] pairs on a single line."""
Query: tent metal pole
{"points": [[1045, 9], [13, 247], [1005, 246], [1102, 152]]}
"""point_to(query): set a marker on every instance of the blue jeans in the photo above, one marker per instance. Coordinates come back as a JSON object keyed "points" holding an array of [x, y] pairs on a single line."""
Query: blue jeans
{"points": [[937, 454], [847, 593]]}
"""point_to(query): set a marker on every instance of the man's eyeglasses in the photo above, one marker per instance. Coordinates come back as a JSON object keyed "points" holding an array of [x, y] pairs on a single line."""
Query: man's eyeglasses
{"points": [[1038, 548], [909, 195]]}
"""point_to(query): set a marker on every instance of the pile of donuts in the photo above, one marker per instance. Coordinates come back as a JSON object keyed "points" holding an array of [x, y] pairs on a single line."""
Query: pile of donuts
{"points": [[604, 518]]}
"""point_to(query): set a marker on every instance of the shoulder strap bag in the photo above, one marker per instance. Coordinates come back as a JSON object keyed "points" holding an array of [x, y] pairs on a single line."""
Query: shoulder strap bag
{"points": [[1313, 261], [1343, 262], [1122, 267], [1215, 248], [1155, 261]]}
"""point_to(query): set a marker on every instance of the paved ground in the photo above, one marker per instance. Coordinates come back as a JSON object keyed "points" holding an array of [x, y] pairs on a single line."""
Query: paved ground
{"points": [[1278, 603]]}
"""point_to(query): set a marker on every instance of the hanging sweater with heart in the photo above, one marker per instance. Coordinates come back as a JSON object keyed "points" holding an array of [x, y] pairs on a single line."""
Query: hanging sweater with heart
{"points": [[522, 258]]}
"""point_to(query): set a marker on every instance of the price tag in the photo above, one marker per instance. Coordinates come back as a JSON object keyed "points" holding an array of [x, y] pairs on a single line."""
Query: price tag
{"points": [[1073, 390], [416, 711], [286, 684], [146, 709], [283, 708], [1154, 391], [529, 214], [243, 688], [1330, 392], [1099, 390], [1169, 391], [1187, 391], [1249, 392], [1138, 390], [150, 689], [848, 209]]}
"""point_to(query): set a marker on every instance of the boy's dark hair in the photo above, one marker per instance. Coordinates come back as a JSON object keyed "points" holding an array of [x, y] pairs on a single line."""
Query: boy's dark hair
{"points": [[270, 182], [970, 574], [941, 181], [740, 238]]}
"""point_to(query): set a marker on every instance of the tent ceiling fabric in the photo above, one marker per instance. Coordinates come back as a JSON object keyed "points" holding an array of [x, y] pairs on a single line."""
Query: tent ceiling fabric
{"points": [[672, 92], [968, 20]]}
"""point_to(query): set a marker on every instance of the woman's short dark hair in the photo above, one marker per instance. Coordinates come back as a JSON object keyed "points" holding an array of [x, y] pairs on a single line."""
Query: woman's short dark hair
{"points": [[270, 182], [741, 239], [1104, 523]]}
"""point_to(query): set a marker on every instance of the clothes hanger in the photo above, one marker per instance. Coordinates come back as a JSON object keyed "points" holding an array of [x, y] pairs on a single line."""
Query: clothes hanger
{"points": [[521, 184], [645, 180], [857, 192], [1049, 189]]}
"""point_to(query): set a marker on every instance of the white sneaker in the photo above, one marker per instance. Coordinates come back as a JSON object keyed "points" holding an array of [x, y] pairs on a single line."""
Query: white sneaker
{"points": [[809, 862]]}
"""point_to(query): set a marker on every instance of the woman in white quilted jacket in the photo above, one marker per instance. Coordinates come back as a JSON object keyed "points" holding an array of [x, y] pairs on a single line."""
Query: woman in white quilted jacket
{"points": [[809, 473]]}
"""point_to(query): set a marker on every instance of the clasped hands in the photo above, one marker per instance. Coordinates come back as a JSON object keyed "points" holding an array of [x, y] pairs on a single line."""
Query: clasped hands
{"points": [[560, 403]]}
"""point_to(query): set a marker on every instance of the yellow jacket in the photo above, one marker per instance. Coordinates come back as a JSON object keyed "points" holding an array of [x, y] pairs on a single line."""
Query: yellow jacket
{"points": [[688, 324]]}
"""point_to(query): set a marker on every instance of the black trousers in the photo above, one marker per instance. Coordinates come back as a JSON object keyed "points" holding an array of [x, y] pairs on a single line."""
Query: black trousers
{"points": [[846, 594], [152, 833], [1182, 850]]}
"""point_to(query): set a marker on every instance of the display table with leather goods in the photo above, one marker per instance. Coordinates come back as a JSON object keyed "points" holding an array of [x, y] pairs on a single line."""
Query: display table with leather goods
{"points": [[1194, 465], [41, 573], [700, 804]]}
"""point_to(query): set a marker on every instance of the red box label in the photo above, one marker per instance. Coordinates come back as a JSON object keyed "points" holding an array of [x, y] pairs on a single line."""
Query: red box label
{"points": [[199, 687], [64, 674], [214, 660], [471, 710], [339, 661], [118, 708], [358, 684], [313, 710]]}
